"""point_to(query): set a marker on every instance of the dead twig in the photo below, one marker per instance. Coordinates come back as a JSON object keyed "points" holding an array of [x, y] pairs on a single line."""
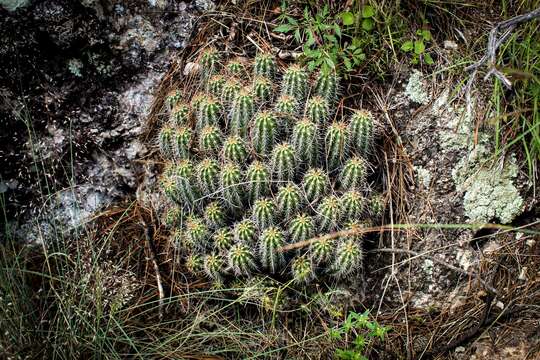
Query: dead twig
{"points": [[148, 235]]}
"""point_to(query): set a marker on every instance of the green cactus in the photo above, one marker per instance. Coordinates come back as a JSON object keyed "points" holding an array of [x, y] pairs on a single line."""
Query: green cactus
{"points": [[242, 110], [241, 259], [208, 173], [197, 100], [272, 239], [181, 142], [329, 213], [197, 233], [209, 61], [223, 239], [231, 185], [210, 140], [262, 87], [302, 270], [235, 67], [165, 141], [322, 250], [174, 216], [265, 65], [257, 181], [173, 98], [264, 213], [362, 129], [347, 259], [352, 203], [286, 108], [295, 82], [194, 263], [209, 113], [245, 232], [214, 266], [214, 214], [216, 84], [235, 149], [376, 205], [317, 110], [185, 190], [336, 145], [315, 183], [305, 142], [179, 115], [264, 132], [231, 89], [283, 162], [289, 200], [302, 227], [326, 86], [353, 174]]}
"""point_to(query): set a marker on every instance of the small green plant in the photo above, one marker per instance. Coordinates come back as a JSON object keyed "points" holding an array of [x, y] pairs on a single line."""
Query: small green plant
{"points": [[362, 332], [416, 47]]}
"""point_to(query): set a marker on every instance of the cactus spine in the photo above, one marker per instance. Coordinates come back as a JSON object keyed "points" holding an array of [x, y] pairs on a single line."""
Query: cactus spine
{"points": [[209, 113], [234, 149], [304, 140], [295, 81], [216, 84], [242, 110], [214, 214], [264, 132], [317, 110], [263, 213], [208, 61], [315, 184], [181, 142], [322, 250], [262, 87], [257, 181], [231, 89], [289, 200], [329, 213], [197, 232], [302, 270], [272, 239], [283, 162], [352, 203], [245, 232], [165, 141], [214, 266], [231, 179], [362, 132], [326, 86], [241, 259], [301, 228], [210, 140], [179, 115], [348, 258], [223, 239], [353, 174], [208, 175], [336, 144], [194, 263], [265, 65]]}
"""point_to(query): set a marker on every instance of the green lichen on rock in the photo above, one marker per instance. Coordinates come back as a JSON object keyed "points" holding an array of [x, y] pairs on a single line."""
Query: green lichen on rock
{"points": [[414, 89], [489, 192]]}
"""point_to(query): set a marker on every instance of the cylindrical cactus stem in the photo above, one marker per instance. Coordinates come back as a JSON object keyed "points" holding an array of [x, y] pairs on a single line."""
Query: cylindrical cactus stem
{"points": [[197, 233], [214, 266], [305, 142], [302, 270], [336, 145], [326, 86], [257, 180], [235, 67], [216, 84], [178, 240], [376, 205], [223, 239], [241, 259], [231, 89], [174, 216], [271, 241], [329, 213], [283, 162], [347, 259], [209, 113], [184, 189], [235, 149], [210, 140], [301, 227], [231, 184], [262, 87], [245, 232], [208, 174], [322, 250], [265, 65], [316, 184], [295, 82], [264, 132], [165, 141], [289, 200], [194, 263], [352, 203], [179, 115], [196, 102], [353, 174], [242, 110], [317, 110], [214, 214], [173, 98], [362, 131], [264, 211], [209, 61], [286, 109], [181, 143]]}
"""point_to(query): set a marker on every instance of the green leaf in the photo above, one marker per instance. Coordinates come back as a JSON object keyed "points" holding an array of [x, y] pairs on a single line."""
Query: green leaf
{"points": [[368, 12], [407, 46], [419, 47], [428, 59], [297, 35], [283, 28], [426, 35], [368, 24], [337, 30], [347, 17]]}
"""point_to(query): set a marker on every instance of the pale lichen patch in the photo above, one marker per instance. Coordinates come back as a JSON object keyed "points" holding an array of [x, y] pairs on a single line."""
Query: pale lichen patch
{"points": [[414, 89]]}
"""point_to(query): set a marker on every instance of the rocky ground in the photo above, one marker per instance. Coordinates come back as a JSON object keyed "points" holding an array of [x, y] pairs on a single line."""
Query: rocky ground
{"points": [[77, 80]]}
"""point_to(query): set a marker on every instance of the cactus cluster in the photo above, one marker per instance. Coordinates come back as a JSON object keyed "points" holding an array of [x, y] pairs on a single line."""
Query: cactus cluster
{"points": [[259, 159]]}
